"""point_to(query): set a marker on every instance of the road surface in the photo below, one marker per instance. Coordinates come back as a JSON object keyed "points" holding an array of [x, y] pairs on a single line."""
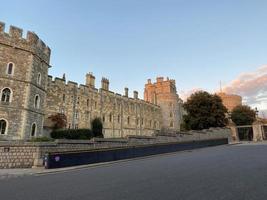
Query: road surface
{"points": [[215, 173]]}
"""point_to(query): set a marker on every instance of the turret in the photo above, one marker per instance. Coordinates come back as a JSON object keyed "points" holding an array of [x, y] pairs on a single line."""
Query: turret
{"points": [[105, 84], [90, 80], [126, 91]]}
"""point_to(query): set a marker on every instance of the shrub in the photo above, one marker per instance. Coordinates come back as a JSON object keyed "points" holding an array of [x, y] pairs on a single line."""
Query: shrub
{"points": [[97, 127], [42, 139], [72, 134]]}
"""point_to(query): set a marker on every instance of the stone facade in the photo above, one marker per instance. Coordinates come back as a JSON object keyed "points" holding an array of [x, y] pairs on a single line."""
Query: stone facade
{"points": [[24, 64], [163, 93], [230, 101], [121, 115], [20, 154], [29, 96]]}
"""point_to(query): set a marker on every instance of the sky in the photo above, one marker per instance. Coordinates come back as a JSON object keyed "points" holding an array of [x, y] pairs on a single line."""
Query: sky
{"points": [[197, 43]]}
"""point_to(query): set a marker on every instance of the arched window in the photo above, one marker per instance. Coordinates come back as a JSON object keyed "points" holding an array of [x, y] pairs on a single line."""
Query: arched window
{"points": [[128, 120], [6, 95], [110, 117], [33, 131], [10, 68], [39, 79], [3, 127], [37, 101]]}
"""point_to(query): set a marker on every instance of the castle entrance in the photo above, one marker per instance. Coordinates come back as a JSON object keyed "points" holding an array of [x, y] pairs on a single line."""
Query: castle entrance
{"points": [[245, 133]]}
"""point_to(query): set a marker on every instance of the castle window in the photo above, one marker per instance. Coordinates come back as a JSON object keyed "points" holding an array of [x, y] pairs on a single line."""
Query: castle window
{"points": [[6, 95], [137, 121], [119, 118], [110, 117], [171, 114], [10, 68], [128, 120], [87, 102], [64, 98], [76, 115], [103, 118], [37, 101], [171, 124], [142, 121], [39, 79], [3, 127], [33, 131]]}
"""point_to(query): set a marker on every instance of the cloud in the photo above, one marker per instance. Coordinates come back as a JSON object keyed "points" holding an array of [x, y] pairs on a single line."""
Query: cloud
{"points": [[185, 94], [252, 87]]}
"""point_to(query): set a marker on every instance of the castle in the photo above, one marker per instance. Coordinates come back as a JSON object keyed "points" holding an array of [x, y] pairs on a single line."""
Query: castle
{"points": [[29, 96]]}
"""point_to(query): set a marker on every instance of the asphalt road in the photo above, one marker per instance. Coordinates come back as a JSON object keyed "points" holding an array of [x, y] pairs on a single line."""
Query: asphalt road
{"points": [[223, 172]]}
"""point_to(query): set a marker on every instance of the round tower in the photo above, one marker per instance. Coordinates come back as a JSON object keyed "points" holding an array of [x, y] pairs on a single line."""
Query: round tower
{"points": [[24, 64]]}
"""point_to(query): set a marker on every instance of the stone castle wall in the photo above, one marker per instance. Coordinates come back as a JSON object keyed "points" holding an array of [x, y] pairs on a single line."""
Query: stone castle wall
{"points": [[29, 57], [230, 101], [163, 93], [121, 115], [18, 154]]}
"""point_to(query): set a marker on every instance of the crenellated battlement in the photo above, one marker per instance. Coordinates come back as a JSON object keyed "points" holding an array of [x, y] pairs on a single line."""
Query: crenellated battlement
{"points": [[81, 88], [32, 43]]}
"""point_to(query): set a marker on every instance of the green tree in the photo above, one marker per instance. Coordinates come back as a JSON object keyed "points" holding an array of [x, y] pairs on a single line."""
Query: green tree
{"points": [[204, 110], [243, 115], [97, 127]]}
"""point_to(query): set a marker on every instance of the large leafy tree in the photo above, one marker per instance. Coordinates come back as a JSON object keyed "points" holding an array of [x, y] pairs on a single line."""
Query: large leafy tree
{"points": [[204, 110], [243, 115], [58, 120]]}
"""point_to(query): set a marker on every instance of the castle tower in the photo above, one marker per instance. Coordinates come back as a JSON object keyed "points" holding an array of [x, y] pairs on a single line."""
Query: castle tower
{"points": [[24, 64], [163, 93]]}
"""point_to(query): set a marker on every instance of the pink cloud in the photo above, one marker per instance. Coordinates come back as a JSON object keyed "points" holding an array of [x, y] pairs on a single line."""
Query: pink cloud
{"points": [[251, 86]]}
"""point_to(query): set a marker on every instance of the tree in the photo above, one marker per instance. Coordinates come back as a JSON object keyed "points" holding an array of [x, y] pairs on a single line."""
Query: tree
{"points": [[204, 110], [58, 120], [243, 115], [97, 127]]}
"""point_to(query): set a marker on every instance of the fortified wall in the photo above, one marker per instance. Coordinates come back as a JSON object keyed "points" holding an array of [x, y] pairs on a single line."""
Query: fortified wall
{"points": [[24, 64], [230, 101], [121, 115], [163, 93]]}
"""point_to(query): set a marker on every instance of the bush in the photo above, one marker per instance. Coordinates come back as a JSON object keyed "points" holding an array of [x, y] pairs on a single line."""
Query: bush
{"points": [[42, 139], [73, 134]]}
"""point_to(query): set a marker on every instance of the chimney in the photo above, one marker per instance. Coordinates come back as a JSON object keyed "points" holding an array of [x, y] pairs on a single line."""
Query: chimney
{"points": [[160, 79], [126, 90], [135, 93], [105, 84], [90, 80]]}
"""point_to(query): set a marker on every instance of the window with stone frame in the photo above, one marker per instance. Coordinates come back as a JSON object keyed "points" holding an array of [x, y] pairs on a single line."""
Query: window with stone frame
{"points": [[10, 68], [128, 120], [110, 117], [3, 127], [119, 118], [33, 130], [39, 79], [6, 95], [37, 101], [171, 124]]}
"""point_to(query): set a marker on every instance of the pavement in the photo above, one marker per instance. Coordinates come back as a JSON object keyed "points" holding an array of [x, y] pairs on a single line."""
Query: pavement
{"points": [[222, 172]]}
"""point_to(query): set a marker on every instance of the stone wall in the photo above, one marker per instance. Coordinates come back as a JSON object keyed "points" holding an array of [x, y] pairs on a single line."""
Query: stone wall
{"points": [[29, 58], [163, 93], [18, 154], [121, 115]]}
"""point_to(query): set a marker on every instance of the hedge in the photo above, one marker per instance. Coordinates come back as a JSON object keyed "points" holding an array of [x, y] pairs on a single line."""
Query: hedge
{"points": [[73, 134]]}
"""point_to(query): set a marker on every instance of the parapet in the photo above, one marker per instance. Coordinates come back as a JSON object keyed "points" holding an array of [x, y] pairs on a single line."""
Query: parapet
{"points": [[31, 43]]}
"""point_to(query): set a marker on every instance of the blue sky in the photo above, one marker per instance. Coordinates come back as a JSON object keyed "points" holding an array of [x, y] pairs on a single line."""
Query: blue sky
{"points": [[198, 43]]}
